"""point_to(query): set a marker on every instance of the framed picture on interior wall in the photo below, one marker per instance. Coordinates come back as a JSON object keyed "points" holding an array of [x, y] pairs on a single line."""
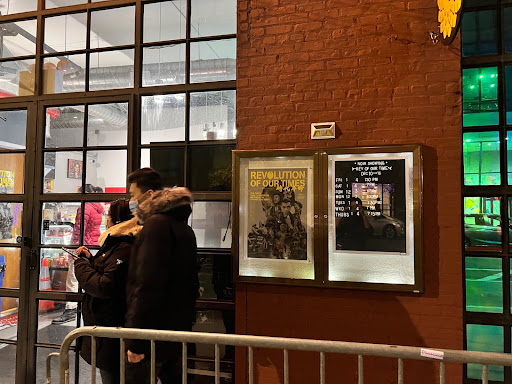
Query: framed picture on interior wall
{"points": [[274, 196], [374, 209], [74, 169]]}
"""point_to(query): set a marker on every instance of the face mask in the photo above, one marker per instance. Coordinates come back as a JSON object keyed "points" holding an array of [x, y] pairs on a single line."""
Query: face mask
{"points": [[133, 205]]}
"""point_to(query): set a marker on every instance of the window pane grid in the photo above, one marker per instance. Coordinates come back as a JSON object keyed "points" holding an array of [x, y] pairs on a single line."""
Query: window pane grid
{"points": [[487, 105]]}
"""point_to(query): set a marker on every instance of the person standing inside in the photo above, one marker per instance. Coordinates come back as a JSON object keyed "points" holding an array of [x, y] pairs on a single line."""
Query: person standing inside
{"points": [[93, 217], [103, 278], [163, 282]]}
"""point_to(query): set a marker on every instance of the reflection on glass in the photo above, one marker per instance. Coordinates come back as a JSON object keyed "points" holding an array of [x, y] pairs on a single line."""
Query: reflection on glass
{"points": [[8, 357], [47, 332], [107, 170], [113, 27], [482, 223], [14, 41], [17, 78], [64, 126], [9, 320], [58, 224], [165, 21], [479, 33], [10, 221], [8, 323], [508, 93], [65, 33], [62, 172], [163, 65], [12, 170], [213, 61], [210, 168], [111, 69], [481, 158], [484, 338], [480, 96], [107, 124], [507, 29], [210, 18], [62, 3], [163, 118], [64, 74], [211, 222], [214, 322], [13, 129], [215, 277], [9, 267], [484, 285], [212, 115], [169, 162], [10, 7]]}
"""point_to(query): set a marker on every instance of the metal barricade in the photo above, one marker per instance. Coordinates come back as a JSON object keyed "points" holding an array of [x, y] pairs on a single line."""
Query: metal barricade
{"points": [[286, 344]]}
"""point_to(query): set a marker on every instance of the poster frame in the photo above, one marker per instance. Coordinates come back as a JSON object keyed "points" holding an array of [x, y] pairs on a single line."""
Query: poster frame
{"points": [[273, 155], [417, 207], [320, 216]]}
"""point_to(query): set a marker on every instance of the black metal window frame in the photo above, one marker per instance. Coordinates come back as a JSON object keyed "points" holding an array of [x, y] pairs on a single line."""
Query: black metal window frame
{"points": [[502, 191], [34, 198]]}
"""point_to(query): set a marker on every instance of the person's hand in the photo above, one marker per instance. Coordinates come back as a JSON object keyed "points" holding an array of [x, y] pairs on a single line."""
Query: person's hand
{"points": [[134, 358], [83, 250]]}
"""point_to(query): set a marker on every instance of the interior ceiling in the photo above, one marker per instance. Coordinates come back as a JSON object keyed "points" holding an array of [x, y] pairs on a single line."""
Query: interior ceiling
{"points": [[69, 33], [71, 30]]}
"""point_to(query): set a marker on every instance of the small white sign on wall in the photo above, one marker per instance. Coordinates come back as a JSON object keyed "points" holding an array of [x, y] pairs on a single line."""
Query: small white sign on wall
{"points": [[323, 130]]}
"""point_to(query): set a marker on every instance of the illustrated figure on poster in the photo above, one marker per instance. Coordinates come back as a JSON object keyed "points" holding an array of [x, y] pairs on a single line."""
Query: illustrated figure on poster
{"points": [[352, 231], [283, 235], [6, 218]]}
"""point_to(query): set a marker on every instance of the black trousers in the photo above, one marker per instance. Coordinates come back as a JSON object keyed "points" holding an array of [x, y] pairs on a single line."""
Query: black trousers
{"points": [[169, 372]]}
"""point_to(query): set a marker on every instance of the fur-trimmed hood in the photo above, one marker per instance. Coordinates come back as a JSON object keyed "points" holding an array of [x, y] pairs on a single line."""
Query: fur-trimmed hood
{"points": [[125, 228], [164, 201]]}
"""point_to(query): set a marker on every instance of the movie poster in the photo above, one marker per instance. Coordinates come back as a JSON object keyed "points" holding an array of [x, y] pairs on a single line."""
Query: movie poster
{"points": [[277, 204], [6, 209]]}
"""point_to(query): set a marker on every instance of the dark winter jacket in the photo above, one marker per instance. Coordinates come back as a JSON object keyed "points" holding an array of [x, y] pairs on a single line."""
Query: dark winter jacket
{"points": [[103, 279], [92, 221], [163, 282]]}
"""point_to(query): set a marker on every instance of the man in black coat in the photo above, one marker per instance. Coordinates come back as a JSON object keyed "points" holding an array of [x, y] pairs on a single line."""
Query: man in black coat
{"points": [[163, 282]]}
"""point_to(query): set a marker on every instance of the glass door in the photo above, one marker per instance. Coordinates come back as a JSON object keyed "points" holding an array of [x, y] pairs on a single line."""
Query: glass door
{"points": [[17, 125]]}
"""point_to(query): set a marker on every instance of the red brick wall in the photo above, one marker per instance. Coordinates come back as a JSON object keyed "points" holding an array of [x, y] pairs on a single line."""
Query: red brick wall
{"points": [[371, 67]]}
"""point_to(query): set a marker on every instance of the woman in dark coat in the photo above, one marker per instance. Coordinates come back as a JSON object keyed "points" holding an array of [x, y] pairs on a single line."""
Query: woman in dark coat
{"points": [[103, 278]]}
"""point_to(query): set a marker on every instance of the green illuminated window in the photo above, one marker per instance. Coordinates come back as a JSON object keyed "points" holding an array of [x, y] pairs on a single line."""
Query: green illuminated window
{"points": [[481, 152], [484, 285], [479, 33], [480, 96], [482, 223], [485, 338]]}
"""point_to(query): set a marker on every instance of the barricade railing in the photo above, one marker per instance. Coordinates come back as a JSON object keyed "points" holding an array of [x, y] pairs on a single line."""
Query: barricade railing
{"points": [[323, 347]]}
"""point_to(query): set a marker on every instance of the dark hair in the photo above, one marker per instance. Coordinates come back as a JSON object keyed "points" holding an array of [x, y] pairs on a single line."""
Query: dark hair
{"points": [[89, 188], [286, 201], [146, 179], [98, 190], [119, 211]]}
